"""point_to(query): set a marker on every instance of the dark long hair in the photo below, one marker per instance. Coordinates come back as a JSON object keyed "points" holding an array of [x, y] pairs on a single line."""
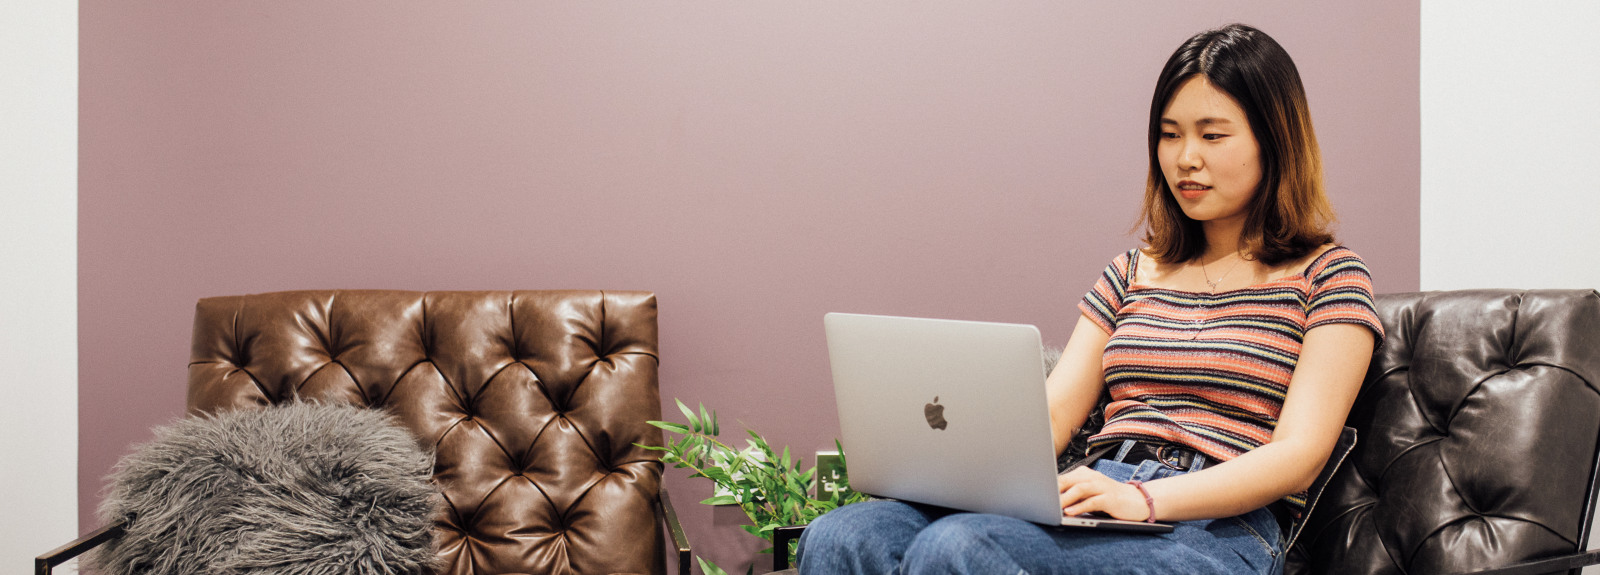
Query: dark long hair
{"points": [[1289, 214]]}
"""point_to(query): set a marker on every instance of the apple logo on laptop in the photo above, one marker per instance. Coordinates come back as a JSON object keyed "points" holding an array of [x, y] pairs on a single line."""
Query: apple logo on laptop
{"points": [[935, 414]]}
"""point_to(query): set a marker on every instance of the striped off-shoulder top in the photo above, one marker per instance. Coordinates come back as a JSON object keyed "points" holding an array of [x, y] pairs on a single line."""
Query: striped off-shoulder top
{"points": [[1210, 371]]}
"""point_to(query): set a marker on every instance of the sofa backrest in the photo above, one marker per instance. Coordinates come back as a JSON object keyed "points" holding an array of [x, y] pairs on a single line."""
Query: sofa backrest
{"points": [[533, 401], [1477, 432]]}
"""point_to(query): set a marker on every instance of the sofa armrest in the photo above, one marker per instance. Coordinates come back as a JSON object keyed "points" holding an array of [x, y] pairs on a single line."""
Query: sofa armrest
{"points": [[43, 564], [669, 518], [1559, 563], [780, 545]]}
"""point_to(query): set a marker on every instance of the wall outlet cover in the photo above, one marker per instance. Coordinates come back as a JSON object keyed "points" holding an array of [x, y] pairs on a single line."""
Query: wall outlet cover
{"points": [[749, 451], [831, 478]]}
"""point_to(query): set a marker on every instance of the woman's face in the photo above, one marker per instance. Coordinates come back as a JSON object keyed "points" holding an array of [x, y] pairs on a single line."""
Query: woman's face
{"points": [[1208, 153]]}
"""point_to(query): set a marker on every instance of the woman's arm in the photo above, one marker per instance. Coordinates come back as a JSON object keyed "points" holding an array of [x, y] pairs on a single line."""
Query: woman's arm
{"points": [[1333, 361], [1074, 386]]}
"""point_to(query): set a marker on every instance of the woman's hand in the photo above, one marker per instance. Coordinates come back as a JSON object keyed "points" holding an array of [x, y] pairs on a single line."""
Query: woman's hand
{"points": [[1084, 490]]}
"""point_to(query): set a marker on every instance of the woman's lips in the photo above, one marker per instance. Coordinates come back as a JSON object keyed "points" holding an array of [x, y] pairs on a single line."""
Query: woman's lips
{"points": [[1193, 192]]}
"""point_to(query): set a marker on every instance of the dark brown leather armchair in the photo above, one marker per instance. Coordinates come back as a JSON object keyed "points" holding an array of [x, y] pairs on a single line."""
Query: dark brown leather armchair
{"points": [[1477, 433], [533, 400]]}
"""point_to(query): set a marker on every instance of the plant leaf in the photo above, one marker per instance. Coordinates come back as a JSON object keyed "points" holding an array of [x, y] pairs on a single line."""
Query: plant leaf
{"points": [[721, 500], [687, 414], [718, 475], [678, 428], [709, 568]]}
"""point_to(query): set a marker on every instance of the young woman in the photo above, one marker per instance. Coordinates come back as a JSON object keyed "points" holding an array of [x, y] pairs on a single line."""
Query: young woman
{"points": [[1232, 344]]}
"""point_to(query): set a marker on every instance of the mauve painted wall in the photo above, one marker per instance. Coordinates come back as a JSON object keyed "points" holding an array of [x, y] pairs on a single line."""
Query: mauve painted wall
{"points": [[756, 164]]}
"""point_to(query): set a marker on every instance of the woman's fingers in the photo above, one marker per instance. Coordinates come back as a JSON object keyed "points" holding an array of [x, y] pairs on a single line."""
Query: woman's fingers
{"points": [[1076, 494], [1077, 487], [1082, 494], [1089, 505], [1077, 476], [1076, 497]]}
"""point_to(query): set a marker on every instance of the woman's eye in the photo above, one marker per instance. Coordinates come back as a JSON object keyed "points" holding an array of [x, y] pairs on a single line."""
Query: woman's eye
{"points": [[1214, 136], [1169, 135]]}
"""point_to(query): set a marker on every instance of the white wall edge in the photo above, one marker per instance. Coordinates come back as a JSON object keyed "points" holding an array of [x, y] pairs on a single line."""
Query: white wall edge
{"points": [[1509, 144], [38, 287]]}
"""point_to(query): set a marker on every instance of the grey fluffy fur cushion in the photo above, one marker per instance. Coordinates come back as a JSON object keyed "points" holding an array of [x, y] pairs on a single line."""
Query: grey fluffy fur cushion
{"points": [[301, 489]]}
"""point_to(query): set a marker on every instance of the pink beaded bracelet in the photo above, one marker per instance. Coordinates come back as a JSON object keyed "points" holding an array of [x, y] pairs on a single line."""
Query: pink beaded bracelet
{"points": [[1147, 500]]}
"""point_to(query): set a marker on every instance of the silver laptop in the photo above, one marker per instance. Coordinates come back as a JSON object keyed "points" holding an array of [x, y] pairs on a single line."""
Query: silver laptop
{"points": [[950, 413]]}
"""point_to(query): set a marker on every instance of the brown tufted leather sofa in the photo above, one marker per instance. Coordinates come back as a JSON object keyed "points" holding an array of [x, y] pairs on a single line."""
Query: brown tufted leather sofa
{"points": [[533, 400]]}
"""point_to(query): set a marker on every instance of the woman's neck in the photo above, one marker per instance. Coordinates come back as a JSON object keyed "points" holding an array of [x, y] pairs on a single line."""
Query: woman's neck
{"points": [[1222, 238]]}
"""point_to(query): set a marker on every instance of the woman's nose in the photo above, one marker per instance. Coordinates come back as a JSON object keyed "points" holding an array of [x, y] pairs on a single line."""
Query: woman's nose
{"points": [[1188, 156]]}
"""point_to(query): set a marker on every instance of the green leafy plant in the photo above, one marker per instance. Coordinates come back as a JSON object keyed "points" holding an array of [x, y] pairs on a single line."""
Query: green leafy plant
{"points": [[710, 568], [771, 488]]}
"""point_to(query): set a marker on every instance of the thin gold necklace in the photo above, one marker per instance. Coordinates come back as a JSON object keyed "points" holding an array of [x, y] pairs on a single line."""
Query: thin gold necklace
{"points": [[1213, 284]]}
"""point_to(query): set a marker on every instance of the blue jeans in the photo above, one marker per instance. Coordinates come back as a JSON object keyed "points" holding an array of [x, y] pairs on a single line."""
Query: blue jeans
{"points": [[906, 538]]}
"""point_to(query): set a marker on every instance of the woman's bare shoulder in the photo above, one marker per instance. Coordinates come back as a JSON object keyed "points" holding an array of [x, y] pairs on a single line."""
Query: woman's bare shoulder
{"points": [[1150, 269], [1300, 265]]}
